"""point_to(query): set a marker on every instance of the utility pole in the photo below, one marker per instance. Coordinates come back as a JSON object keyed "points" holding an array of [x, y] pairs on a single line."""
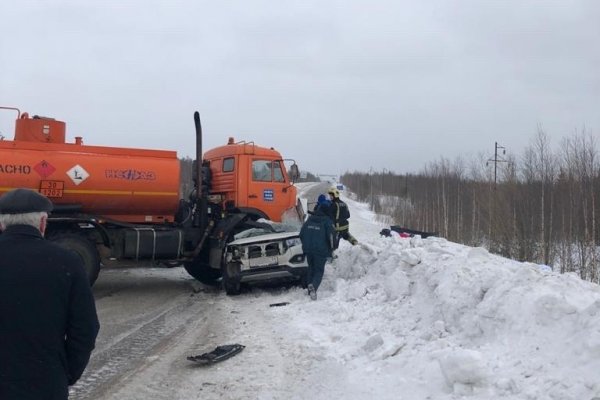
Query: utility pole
{"points": [[496, 160], [371, 184], [384, 172], [491, 199]]}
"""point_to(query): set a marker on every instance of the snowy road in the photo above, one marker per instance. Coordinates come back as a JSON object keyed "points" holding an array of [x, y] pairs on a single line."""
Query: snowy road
{"points": [[153, 318], [143, 312]]}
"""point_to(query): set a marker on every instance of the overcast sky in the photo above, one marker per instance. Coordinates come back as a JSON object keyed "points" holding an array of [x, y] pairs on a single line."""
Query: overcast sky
{"points": [[336, 85]]}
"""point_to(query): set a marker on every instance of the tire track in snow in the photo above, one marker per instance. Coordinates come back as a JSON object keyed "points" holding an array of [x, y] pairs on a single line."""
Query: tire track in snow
{"points": [[114, 362]]}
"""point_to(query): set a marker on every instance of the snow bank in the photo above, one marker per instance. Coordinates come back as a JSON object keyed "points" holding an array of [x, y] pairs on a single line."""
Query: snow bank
{"points": [[446, 320]]}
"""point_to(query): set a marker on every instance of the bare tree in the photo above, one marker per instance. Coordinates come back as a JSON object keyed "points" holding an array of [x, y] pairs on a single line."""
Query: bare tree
{"points": [[543, 209]]}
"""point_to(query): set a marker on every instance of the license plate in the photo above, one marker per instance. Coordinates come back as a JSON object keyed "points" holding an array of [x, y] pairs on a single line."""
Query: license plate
{"points": [[263, 262], [52, 189]]}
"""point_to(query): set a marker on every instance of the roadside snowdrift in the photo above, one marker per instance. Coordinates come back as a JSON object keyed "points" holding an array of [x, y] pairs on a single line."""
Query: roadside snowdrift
{"points": [[434, 318]]}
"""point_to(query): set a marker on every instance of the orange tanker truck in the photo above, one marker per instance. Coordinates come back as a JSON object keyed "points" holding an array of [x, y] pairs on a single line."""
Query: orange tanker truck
{"points": [[120, 205]]}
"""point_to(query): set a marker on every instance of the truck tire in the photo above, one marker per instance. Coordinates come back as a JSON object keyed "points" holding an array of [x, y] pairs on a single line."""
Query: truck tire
{"points": [[203, 273], [84, 248], [231, 278]]}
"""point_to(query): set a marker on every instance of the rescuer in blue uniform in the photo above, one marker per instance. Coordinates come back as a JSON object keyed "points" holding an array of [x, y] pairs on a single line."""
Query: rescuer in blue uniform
{"points": [[324, 204], [48, 321], [317, 235]]}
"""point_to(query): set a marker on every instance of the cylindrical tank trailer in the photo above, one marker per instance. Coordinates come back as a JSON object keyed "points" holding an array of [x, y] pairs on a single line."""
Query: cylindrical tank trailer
{"points": [[131, 185]]}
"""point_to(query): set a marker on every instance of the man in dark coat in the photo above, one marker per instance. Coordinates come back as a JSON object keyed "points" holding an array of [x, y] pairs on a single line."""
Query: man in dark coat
{"points": [[341, 214], [317, 235], [48, 321]]}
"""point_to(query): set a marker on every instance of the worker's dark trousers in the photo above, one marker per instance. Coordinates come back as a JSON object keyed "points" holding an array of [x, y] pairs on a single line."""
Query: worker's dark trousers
{"points": [[316, 268], [344, 234]]}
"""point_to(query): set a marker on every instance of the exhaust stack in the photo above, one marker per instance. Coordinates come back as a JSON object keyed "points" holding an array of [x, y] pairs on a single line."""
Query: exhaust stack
{"points": [[201, 214]]}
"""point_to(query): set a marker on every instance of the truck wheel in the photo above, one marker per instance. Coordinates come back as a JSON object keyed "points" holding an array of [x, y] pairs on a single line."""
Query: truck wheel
{"points": [[203, 272], [85, 249], [231, 278]]}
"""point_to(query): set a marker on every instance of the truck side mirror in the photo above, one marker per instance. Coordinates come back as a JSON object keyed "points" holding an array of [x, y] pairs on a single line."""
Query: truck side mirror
{"points": [[294, 172]]}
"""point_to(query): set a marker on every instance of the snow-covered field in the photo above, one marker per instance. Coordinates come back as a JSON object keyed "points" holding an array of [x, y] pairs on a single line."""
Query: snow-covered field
{"points": [[396, 318]]}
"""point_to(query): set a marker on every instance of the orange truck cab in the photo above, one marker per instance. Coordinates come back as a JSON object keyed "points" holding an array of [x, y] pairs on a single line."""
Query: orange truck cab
{"points": [[251, 178]]}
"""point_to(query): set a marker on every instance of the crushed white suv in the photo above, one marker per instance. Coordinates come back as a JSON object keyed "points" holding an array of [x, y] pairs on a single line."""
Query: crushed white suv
{"points": [[261, 255]]}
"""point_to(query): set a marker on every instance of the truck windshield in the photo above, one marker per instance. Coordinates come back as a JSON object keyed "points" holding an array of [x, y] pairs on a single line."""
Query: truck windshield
{"points": [[267, 171]]}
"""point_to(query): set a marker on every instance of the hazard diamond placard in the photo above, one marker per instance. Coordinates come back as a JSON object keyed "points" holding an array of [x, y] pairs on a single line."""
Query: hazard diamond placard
{"points": [[78, 174]]}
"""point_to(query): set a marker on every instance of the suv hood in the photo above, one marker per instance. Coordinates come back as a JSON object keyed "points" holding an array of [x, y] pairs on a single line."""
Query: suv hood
{"points": [[265, 238]]}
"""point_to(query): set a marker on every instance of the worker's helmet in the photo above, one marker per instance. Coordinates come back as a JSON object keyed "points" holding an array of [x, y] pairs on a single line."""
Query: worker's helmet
{"points": [[322, 199], [334, 192]]}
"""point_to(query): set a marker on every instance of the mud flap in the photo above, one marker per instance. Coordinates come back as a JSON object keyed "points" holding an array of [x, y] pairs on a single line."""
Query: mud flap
{"points": [[301, 210], [294, 215], [220, 353]]}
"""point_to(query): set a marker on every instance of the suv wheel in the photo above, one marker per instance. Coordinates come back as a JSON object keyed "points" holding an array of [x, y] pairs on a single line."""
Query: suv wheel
{"points": [[231, 278]]}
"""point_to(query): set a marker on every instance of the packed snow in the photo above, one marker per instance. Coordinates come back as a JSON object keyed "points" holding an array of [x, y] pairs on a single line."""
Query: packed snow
{"points": [[412, 318], [401, 318]]}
